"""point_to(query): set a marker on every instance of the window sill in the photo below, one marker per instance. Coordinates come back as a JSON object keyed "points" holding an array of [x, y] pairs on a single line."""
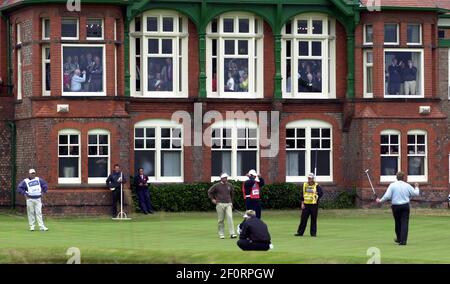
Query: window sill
{"points": [[80, 185]]}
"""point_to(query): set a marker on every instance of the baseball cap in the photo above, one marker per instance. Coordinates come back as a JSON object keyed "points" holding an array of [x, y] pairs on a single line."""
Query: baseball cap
{"points": [[32, 171], [311, 175], [253, 173], [224, 175]]}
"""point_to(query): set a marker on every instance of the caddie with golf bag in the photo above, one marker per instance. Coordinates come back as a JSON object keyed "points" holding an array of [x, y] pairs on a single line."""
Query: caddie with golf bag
{"points": [[115, 181]]}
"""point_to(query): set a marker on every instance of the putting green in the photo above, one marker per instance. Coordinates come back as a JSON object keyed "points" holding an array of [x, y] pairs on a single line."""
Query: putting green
{"points": [[344, 236]]}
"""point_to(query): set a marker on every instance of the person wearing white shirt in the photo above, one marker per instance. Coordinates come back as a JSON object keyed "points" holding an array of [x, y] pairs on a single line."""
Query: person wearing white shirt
{"points": [[400, 192], [75, 85]]}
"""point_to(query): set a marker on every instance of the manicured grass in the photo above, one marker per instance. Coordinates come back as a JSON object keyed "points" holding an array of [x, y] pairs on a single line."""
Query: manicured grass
{"points": [[343, 237]]}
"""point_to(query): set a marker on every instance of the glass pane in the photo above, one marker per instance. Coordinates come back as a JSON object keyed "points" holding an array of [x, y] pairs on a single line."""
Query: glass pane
{"points": [[165, 143], [150, 132], [153, 46], [289, 28], [170, 164], [322, 160], [46, 28], [166, 46], [300, 132], [420, 149], [92, 139], [243, 25], [243, 46], [150, 143], [302, 26], [315, 132], [402, 73], [165, 132], [390, 33], [180, 24], [152, 24], [226, 133], [369, 79], [384, 150], [220, 162], [139, 132], [47, 77], [411, 149], [145, 160], [303, 48], [326, 144], [176, 143], [139, 143], [63, 139], [315, 143], [369, 57], [103, 139], [103, 150], [316, 48], [369, 34], [69, 28], [413, 33], [290, 133], [242, 143], [98, 167], [228, 25], [389, 166], [73, 139], [229, 46], [295, 163], [214, 25], [288, 48], [411, 139], [416, 166], [246, 160], [236, 75], [317, 27], [160, 74], [384, 139], [420, 139], [226, 143], [92, 150], [137, 24], [326, 132], [290, 143], [310, 76], [252, 133], [63, 150], [394, 139], [68, 168], [74, 150], [393, 149], [94, 28], [167, 24], [301, 143], [216, 143], [138, 74]]}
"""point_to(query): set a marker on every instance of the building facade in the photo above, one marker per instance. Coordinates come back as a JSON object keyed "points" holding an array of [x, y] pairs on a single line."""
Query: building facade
{"points": [[189, 89]]}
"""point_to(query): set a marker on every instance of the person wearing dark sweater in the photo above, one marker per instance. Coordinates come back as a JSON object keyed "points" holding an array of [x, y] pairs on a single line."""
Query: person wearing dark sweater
{"points": [[221, 194], [310, 196], [114, 182], [254, 234], [141, 187], [251, 189]]}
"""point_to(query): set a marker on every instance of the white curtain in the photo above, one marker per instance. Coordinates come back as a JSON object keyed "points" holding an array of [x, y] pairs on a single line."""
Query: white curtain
{"points": [[171, 163]]}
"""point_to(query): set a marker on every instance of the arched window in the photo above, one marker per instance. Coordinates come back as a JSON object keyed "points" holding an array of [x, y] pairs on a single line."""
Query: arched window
{"points": [[308, 57], [98, 155], [417, 156], [158, 149], [69, 169], [309, 149], [234, 49], [235, 148], [158, 54], [390, 155]]}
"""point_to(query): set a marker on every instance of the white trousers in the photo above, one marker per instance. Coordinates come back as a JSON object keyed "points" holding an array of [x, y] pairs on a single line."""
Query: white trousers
{"points": [[34, 210], [225, 210]]}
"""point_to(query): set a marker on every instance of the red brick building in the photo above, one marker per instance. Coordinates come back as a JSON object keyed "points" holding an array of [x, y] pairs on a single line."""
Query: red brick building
{"points": [[84, 89]]}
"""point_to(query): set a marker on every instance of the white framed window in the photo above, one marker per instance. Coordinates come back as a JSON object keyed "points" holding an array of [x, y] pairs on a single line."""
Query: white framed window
{"points": [[46, 72], [414, 34], [158, 149], [391, 34], [309, 54], [389, 155], [309, 148], [70, 29], [234, 48], [404, 73], [368, 73], [69, 168], [19, 61], [368, 34], [234, 148], [94, 29], [46, 29], [448, 82], [417, 156], [83, 69], [98, 155], [159, 50]]}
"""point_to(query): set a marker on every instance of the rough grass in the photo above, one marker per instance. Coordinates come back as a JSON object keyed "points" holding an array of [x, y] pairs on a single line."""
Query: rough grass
{"points": [[344, 236]]}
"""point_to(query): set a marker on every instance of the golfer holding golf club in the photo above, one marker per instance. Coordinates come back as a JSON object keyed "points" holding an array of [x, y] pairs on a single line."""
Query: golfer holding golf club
{"points": [[221, 194], [400, 192], [311, 193]]}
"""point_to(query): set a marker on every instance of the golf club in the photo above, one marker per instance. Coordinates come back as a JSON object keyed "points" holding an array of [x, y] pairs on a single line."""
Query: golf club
{"points": [[370, 182]]}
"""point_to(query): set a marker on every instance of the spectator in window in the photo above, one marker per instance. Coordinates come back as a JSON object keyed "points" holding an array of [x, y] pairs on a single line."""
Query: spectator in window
{"points": [[77, 80], [96, 76], [88, 67], [167, 74], [244, 83], [230, 83], [394, 78], [410, 76], [68, 70], [317, 82]]}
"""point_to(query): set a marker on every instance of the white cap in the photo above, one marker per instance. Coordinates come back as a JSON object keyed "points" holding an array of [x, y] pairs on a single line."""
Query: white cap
{"points": [[311, 175], [32, 171], [224, 175], [253, 173]]}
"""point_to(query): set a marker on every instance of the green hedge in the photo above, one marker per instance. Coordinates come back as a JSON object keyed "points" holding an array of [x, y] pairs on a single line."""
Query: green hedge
{"points": [[194, 197]]}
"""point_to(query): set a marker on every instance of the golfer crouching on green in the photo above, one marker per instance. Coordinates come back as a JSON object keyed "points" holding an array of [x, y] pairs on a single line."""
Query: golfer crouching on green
{"points": [[253, 233]]}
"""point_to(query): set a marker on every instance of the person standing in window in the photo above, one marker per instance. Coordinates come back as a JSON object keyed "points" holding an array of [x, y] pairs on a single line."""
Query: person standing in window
{"points": [[410, 77], [96, 79], [394, 78], [77, 80], [311, 193], [141, 186], [32, 188], [251, 190], [115, 181]]}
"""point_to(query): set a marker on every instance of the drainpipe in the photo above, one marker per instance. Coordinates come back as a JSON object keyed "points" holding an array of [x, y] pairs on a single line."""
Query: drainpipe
{"points": [[12, 125], [8, 55]]}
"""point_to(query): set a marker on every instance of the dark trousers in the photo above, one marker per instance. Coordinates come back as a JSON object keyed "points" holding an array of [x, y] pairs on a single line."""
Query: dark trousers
{"points": [[401, 217], [253, 204], [313, 210], [144, 200], [249, 245], [115, 200]]}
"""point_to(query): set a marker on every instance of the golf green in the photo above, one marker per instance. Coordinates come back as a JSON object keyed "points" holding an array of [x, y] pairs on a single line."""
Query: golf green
{"points": [[344, 236]]}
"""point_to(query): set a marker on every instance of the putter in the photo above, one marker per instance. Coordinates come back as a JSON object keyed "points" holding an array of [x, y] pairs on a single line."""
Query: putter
{"points": [[370, 182]]}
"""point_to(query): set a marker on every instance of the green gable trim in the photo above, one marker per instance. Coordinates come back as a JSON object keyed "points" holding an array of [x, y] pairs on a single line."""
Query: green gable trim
{"points": [[444, 43]]}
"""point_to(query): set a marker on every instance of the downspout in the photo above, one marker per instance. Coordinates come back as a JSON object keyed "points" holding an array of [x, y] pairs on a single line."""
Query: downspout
{"points": [[12, 125], [8, 55]]}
